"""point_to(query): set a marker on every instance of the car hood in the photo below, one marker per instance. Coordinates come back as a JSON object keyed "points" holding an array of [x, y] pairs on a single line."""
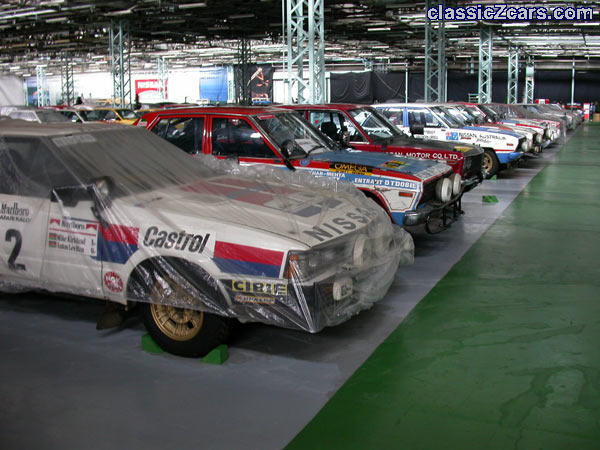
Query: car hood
{"points": [[492, 130], [425, 144], [393, 165], [249, 205]]}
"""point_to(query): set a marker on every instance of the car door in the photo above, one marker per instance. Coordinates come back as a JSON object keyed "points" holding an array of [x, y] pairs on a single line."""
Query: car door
{"points": [[237, 138], [24, 206]]}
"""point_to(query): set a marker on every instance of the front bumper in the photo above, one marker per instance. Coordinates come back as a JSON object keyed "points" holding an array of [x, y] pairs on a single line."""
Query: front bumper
{"points": [[432, 210], [508, 157]]}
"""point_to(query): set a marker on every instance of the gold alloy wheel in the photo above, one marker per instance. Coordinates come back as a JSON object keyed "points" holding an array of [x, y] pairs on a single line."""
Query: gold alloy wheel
{"points": [[488, 163], [179, 324]]}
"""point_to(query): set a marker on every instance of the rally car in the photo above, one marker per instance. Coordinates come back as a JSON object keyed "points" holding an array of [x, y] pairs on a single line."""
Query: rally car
{"points": [[117, 213], [411, 191], [517, 114], [364, 128], [432, 122]]}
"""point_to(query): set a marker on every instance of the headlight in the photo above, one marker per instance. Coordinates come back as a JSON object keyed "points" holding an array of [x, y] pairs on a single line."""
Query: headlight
{"points": [[443, 189], [525, 146], [538, 138], [359, 255], [456, 181], [549, 134]]}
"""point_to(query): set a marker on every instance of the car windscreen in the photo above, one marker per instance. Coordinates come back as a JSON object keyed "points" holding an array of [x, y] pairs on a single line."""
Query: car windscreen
{"points": [[128, 114], [448, 117], [97, 114], [293, 134], [51, 116], [373, 123], [136, 160]]}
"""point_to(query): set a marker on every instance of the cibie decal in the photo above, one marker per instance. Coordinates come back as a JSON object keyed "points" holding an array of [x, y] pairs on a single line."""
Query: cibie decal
{"points": [[393, 164], [15, 212], [260, 299], [251, 287], [113, 282], [350, 168], [460, 148]]}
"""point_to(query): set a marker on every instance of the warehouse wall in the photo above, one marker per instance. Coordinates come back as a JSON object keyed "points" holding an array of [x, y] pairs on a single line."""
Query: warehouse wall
{"points": [[12, 91]]}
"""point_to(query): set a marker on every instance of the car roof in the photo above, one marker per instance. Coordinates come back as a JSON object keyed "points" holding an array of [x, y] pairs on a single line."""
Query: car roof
{"points": [[241, 110], [17, 127], [324, 106]]}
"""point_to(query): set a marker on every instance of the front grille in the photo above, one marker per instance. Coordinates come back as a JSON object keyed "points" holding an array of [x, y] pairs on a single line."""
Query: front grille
{"points": [[473, 165]]}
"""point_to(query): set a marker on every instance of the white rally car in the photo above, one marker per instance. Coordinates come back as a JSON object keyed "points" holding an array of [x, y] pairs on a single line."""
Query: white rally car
{"points": [[501, 149], [117, 213]]}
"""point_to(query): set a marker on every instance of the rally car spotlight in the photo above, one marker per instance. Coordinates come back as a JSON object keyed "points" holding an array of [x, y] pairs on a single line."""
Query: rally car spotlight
{"points": [[443, 189], [538, 138], [456, 181]]}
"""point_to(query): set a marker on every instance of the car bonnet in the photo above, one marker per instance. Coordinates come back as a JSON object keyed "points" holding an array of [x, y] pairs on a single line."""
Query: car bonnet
{"points": [[390, 165]]}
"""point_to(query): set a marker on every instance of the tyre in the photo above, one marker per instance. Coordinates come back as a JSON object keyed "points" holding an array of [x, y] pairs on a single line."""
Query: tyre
{"points": [[181, 331], [490, 163]]}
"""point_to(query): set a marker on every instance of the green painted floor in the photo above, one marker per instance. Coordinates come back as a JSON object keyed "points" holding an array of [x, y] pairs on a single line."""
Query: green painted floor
{"points": [[504, 353]]}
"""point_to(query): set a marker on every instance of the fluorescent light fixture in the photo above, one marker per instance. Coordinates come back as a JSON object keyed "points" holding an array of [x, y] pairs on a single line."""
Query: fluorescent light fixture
{"points": [[586, 24], [450, 25], [56, 19], [192, 5], [241, 16], [516, 24], [379, 29]]}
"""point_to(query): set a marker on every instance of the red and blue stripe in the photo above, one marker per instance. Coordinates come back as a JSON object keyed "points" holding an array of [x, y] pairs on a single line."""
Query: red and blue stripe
{"points": [[116, 243], [246, 260]]}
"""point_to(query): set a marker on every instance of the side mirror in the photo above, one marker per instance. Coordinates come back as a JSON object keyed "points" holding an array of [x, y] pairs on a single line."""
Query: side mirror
{"points": [[417, 129], [69, 195]]}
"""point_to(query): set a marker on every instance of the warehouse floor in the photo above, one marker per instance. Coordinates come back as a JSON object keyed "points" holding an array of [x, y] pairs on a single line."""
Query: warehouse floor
{"points": [[495, 355]]}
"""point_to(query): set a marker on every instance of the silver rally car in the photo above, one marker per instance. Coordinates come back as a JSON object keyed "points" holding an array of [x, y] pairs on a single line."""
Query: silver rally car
{"points": [[117, 213]]}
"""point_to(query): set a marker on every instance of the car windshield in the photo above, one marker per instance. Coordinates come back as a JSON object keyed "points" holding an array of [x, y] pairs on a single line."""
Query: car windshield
{"points": [[294, 135], [448, 117], [97, 114], [373, 123], [136, 160], [51, 116]]}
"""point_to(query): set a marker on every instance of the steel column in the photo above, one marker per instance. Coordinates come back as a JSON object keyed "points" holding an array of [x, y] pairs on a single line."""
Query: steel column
{"points": [[66, 81], [305, 36], [435, 58], [244, 56], [163, 77], [573, 83], [485, 64], [513, 75], [529, 81], [42, 86], [120, 45], [406, 85]]}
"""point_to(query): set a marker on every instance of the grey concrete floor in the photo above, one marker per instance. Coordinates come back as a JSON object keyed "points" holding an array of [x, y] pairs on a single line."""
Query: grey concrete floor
{"points": [[64, 385]]}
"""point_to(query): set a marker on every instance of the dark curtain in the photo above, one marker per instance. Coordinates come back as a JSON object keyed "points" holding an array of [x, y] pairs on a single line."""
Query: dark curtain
{"points": [[375, 87]]}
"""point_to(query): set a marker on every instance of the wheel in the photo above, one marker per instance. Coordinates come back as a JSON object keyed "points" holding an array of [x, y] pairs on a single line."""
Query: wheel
{"points": [[181, 331], [490, 163]]}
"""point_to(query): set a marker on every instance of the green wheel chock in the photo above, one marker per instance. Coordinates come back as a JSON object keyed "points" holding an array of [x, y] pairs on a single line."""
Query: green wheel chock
{"points": [[489, 199], [217, 355], [148, 345], [494, 177]]}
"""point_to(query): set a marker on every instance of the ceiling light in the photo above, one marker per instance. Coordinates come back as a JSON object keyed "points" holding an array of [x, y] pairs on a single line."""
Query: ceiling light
{"points": [[585, 24], [379, 29], [192, 5], [516, 24]]}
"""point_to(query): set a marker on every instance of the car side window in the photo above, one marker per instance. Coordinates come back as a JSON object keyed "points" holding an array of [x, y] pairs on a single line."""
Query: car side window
{"points": [[236, 137], [110, 115], [187, 133], [30, 169]]}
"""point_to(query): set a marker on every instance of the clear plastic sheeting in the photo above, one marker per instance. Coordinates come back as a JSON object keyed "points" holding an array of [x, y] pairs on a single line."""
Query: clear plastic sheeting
{"points": [[115, 212], [555, 125]]}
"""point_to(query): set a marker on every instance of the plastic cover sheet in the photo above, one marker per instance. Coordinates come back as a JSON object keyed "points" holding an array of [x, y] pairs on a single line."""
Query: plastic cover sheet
{"points": [[525, 113], [115, 212]]}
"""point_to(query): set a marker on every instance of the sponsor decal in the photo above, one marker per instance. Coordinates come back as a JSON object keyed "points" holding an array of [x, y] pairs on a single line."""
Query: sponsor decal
{"points": [[246, 260], [73, 235], [393, 164], [350, 168], [113, 282], [451, 136], [15, 212], [176, 240], [337, 226], [116, 243], [252, 287]]}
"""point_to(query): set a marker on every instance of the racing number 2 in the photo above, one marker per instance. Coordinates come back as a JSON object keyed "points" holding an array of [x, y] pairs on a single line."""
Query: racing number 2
{"points": [[16, 234]]}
